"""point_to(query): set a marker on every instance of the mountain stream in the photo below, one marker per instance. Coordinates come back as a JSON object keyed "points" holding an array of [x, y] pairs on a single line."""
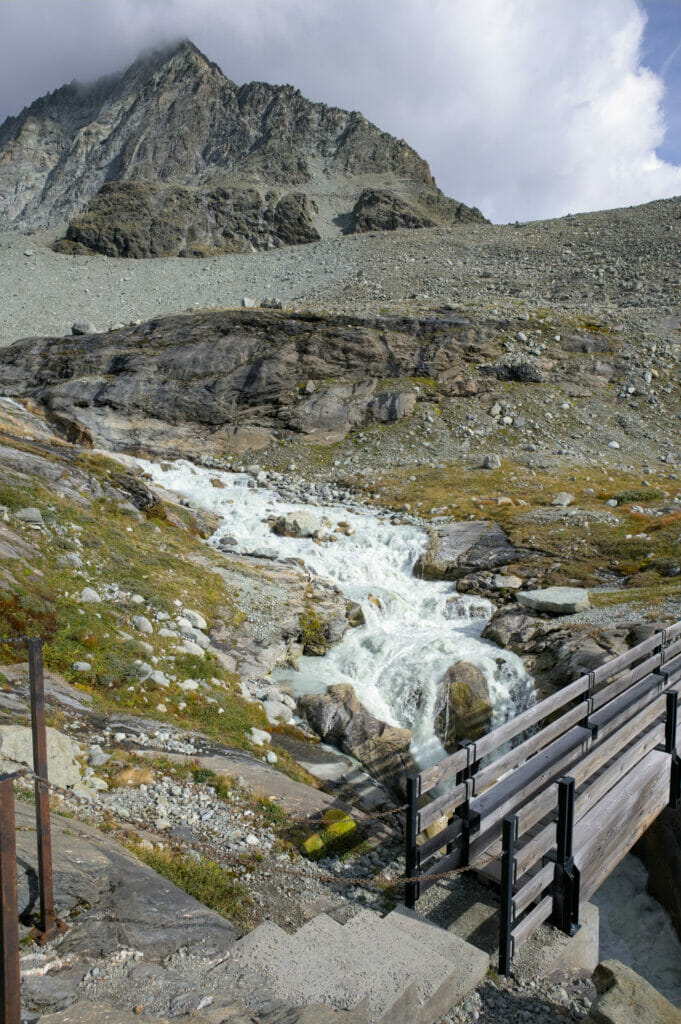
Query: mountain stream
{"points": [[414, 631]]}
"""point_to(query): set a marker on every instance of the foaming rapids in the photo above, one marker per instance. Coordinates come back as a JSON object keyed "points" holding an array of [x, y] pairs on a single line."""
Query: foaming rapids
{"points": [[414, 629]]}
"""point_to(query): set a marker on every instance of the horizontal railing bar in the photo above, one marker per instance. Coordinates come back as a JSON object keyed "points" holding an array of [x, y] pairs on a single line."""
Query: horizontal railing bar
{"points": [[444, 804], [617, 770], [515, 757], [539, 845], [609, 668], [456, 762], [532, 889], [431, 846], [526, 719], [606, 751], [529, 924], [627, 679], [636, 697]]}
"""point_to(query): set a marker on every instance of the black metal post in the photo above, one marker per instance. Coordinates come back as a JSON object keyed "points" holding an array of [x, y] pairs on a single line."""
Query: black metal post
{"points": [[49, 926], [10, 991], [411, 889], [670, 742], [565, 913], [506, 912]]}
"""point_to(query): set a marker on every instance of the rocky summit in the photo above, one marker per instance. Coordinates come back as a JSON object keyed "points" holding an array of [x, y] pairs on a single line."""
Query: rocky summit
{"points": [[172, 158]]}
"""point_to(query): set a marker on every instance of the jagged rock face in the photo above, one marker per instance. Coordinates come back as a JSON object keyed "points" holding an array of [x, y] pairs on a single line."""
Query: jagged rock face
{"points": [[173, 117], [192, 382], [140, 219]]}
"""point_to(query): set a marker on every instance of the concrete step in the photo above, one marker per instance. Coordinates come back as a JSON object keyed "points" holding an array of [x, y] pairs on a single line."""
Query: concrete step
{"points": [[444, 967], [471, 963], [398, 970]]}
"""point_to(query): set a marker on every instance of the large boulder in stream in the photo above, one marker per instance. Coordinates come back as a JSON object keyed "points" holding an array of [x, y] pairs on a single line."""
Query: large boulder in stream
{"points": [[455, 549], [338, 717], [466, 710]]}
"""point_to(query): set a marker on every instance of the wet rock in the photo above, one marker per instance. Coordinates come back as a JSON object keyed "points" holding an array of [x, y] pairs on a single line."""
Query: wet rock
{"points": [[297, 524], [466, 709], [456, 549], [339, 718]]}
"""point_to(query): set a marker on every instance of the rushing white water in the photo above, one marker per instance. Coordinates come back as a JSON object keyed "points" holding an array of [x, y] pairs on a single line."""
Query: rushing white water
{"points": [[415, 630], [635, 929]]}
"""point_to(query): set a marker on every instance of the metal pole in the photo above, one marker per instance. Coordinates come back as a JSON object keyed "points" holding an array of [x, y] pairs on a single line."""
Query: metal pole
{"points": [[566, 879], [48, 922], [411, 893], [10, 991], [509, 836]]}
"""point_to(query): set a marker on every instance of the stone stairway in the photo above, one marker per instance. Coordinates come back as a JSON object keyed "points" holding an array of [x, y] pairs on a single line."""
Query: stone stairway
{"points": [[400, 969]]}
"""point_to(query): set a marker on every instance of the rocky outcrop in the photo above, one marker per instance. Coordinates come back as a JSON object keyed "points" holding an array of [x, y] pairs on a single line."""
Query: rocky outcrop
{"points": [[174, 119], [379, 209], [626, 998], [556, 654], [466, 709], [555, 600], [338, 717], [141, 219], [456, 549], [223, 381]]}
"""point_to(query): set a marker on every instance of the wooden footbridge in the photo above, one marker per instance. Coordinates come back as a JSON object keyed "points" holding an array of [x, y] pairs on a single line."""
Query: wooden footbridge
{"points": [[549, 803]]}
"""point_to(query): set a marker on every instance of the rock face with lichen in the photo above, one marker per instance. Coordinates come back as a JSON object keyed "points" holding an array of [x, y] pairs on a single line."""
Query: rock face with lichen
{"points": [[465, 710], [171, 157]]}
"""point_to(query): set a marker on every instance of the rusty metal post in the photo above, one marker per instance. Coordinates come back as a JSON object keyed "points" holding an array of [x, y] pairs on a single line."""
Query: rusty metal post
{"points": [[49, 926], [10, 991]]}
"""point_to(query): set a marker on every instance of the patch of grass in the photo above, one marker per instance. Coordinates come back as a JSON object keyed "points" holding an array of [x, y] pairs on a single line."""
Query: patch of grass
{"points": [[636, 494], [207, 881]]}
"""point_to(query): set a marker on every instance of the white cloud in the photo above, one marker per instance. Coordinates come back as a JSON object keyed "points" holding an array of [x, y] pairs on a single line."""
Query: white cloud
{"points": [[526, 108]]}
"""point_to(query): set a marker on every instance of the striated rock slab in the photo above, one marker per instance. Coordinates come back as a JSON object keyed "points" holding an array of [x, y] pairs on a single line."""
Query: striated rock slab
{"points": [[456, 549]]}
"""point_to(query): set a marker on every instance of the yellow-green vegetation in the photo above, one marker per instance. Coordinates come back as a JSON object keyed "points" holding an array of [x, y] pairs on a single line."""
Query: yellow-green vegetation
{"points": [[337, 834], [205, 880], [312, 632], [155, 557], [643, 549]]}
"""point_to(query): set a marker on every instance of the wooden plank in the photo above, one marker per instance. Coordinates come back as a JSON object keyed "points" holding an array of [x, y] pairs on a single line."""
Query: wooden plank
{"points": [[444, 804], [515, 757], [617, 770], [615, 823], [628, 703], [532, 889], [673, 631], [609, 669], [498, 737], [671, 667], [605, 750], [516, 801], [537, 847], [627, 679], [430, 778], [450, 834], [529, 924]]}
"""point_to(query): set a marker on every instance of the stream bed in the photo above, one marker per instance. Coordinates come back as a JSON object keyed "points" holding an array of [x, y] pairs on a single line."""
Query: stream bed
{"points": [[414, 631]]}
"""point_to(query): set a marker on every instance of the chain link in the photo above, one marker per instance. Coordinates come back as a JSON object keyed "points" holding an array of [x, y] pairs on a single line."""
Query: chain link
{"points": [[205, 849]]}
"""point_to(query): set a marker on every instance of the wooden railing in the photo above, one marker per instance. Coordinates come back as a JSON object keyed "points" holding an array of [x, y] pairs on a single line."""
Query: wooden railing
{"points": [[547, 804]]}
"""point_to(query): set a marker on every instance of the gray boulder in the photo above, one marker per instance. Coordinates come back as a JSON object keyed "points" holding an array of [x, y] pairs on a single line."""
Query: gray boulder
{"points": [[626, 998], [297, 524], [465, 710], [16, 749], [456, 549], [555, 600], [338, 717]]}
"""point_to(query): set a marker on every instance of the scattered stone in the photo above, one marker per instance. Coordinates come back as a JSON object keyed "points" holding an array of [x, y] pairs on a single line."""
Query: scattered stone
{"points": [[195, 618], [89, 596], [260, 736], [83, 327], [563, 499], [81, 666], [297, 524], [491, 462], [555, 600], [30, 515], [142, 624]]}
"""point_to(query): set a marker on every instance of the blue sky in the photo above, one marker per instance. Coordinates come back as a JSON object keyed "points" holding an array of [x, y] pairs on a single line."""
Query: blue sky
{"points": [[525, 108], [661, 51]]}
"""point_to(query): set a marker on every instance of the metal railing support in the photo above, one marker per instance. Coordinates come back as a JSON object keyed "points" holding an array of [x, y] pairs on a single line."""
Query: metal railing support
{"points": [[565, 913], [670, 743], [411, 889], [49, 926], [506, 910], [10, 990]]}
